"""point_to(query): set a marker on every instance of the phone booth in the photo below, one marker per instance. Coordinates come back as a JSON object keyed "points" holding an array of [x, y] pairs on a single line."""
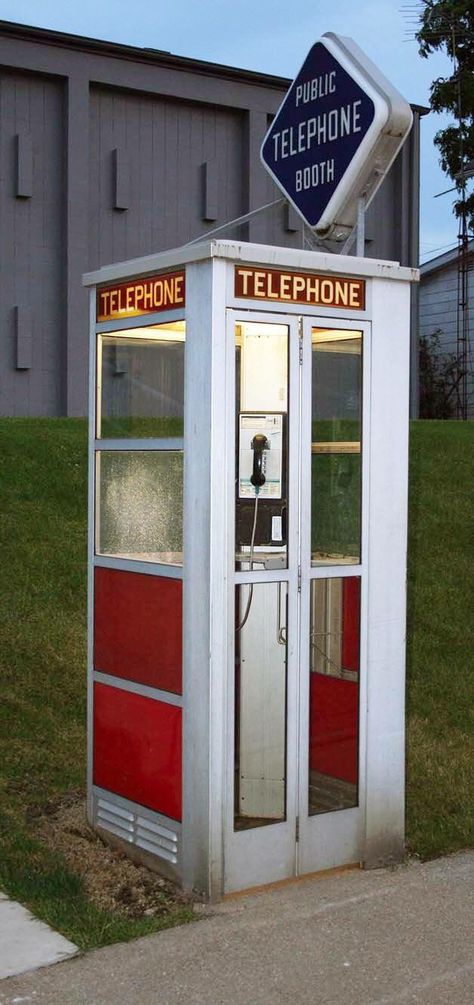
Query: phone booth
{"points": [[247, 561]]}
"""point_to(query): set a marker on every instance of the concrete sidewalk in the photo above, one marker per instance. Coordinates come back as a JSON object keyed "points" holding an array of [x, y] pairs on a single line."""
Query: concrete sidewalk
{"points": [[353, 938], [25, 942]]}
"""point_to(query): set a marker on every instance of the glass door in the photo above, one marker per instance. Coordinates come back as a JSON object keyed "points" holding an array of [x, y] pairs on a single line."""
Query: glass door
{"points": [[296, 564], [332, 592], [263, 659]]}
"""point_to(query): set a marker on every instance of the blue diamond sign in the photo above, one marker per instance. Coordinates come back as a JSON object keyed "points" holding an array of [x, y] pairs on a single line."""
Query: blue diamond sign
{"points": [[336, 134]]}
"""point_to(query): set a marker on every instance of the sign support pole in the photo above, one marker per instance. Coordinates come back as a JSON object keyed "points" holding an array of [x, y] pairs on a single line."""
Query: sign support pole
{"points": [[360, 243], [358, 232]]}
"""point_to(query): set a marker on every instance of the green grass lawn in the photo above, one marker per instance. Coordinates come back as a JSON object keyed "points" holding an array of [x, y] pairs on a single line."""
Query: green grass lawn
{"points": [[43, 666], [42, 647], [440, 687]]}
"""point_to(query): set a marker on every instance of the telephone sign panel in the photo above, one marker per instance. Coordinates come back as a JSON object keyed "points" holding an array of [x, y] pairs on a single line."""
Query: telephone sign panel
{"points": [[328, 142]]}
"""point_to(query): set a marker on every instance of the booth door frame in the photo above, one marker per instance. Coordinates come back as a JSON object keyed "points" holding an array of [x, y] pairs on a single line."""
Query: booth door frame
{"points": [[326, 840], [301, 844], [264, 854]]}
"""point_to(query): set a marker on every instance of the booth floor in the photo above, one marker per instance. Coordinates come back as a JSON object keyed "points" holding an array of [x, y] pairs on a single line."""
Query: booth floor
{"points": [[388, 937]]}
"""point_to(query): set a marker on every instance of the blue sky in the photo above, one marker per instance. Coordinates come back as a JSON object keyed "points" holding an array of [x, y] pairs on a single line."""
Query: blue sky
{"points": [[274, 36]]}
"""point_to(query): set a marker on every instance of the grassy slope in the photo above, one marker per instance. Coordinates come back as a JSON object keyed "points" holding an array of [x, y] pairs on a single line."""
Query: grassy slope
{"points": [[440, 773], [42, 666], [42, 646]]}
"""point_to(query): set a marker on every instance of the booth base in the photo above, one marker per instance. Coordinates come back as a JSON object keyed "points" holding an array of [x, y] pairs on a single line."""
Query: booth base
{"points": [[146, 837]]}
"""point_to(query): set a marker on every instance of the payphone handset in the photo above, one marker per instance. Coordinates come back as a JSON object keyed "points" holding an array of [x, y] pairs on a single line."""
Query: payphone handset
{"points": [[260, 455]]}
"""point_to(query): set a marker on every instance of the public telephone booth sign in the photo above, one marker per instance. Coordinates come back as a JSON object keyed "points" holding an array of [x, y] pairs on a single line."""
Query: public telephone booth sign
{"points": [[247, 540], [335, 135]]}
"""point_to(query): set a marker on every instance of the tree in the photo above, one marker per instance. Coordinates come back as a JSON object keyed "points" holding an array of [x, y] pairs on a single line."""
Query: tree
{"points": [[449, 25], [440, 377]]}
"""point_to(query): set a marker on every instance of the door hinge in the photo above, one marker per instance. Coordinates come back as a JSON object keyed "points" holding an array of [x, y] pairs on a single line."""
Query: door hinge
{"points": [[300, 337], [297, 829], [299, 579]]}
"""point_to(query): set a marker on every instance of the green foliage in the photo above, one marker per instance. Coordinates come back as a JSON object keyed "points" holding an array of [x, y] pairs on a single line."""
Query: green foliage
{"points": [[440, 376], [449, 25]]}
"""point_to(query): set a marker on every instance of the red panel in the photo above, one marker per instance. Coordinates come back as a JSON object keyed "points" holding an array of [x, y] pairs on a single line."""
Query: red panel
{"points": [[138, 628], [334, 727], [137, 749], [350, 623]]}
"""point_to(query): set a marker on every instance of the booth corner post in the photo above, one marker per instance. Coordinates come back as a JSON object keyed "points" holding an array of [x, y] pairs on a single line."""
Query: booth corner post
{"points": [[248, 466]]}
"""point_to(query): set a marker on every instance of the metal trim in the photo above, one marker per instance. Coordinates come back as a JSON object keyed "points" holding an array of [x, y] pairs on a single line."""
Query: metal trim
{"points": [[90, 555], [167, 697], [138, 825], [134, 565], [143, 811], [262, 576], [137, 444], [334, 571], [294, 310], [141, 54], [237, 251]]}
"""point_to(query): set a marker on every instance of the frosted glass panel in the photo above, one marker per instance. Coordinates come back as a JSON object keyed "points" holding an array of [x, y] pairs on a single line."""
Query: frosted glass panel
{"points": [[140, 505]]}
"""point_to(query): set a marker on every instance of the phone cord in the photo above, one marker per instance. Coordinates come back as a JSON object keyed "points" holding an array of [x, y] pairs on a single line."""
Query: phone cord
{"points": [[252, 542]]}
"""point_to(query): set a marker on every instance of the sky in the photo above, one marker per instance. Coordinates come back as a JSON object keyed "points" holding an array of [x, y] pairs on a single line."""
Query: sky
{"points": [[274, 36]]}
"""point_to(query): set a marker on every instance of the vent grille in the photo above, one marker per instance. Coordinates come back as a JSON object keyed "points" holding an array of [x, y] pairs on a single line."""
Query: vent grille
{"points": [[137, 829]]}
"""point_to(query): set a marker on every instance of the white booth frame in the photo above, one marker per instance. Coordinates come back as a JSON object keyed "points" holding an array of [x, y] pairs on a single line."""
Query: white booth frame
{"points": [[204, 837]]}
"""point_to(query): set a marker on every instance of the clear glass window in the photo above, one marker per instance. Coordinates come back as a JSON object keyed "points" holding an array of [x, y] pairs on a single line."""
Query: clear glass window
{"points": [[336, 446], [334, 694], [261, 445], [140, 505], [260, 704], [141, 382]]}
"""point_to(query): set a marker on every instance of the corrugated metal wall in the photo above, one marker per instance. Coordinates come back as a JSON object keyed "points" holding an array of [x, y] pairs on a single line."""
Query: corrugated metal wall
{"points": [[147, 172], [31, 244]]}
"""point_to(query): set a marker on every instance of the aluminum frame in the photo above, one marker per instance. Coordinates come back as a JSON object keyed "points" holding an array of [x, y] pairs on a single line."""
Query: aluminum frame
{"points": [[251, 855], [209, 575], [327, 839], [96, 446]]}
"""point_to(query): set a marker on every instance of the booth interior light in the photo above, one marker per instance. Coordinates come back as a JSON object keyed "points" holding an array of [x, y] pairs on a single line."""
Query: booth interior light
{"points": [[174, 331], [333, 335], [336, 340]]}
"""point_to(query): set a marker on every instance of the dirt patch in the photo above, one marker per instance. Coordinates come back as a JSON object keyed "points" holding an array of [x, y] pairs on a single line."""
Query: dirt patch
{"points": [[112, 881]]}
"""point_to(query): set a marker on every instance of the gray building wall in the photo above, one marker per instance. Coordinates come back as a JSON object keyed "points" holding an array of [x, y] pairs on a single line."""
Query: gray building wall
{"points": [[31, 244], [438, 308], [147, 162], [110, 152]]}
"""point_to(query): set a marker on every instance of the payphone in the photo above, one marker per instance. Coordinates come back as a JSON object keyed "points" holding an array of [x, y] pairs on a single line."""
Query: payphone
{"points": [[261, 449], [261, 437]]}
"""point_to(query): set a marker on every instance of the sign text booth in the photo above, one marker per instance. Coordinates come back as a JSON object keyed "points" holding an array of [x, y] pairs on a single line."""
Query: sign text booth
{"points": [[335, 135]]}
